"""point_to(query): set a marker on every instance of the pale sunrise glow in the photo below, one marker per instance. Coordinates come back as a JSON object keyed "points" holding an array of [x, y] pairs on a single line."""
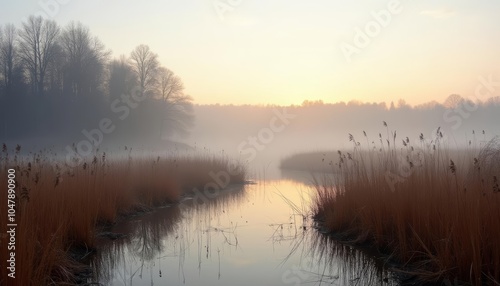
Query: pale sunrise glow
{"points": [[284, 52]]}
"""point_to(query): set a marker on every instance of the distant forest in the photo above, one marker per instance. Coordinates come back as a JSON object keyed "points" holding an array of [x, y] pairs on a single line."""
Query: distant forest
{"points": [[318, 126], [57, 81]]}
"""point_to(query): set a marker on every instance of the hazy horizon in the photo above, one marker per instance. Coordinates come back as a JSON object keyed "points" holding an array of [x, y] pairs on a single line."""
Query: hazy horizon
{"points": [[286, 52]]}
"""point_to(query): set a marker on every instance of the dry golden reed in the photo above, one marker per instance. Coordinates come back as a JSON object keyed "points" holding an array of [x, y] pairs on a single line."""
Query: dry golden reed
{"points": [[57, 210], [434, 209]]}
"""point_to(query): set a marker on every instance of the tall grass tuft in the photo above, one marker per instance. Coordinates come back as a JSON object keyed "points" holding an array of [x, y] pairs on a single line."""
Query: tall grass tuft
{"points": [[58, 211], [434, 209]]}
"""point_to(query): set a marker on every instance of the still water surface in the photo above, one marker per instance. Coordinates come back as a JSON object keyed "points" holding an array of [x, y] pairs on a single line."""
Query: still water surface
{"points": [[254, 234]]}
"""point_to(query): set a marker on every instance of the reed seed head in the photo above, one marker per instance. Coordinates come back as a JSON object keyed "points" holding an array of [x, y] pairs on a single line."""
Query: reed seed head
{"points": [[496, 187], [58, 180], [452, 167]]}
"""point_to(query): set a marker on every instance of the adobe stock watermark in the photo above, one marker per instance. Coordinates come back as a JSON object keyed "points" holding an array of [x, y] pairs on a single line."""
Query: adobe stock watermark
{"points": [[93, 138], [49, 9], [415, 158], [224, 6], [486, 87], [265, 136], [249, 148], [363, 36], [464, 108]]}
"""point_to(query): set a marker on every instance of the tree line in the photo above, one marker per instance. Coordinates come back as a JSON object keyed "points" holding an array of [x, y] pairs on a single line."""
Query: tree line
{"points": [[56, 79]]}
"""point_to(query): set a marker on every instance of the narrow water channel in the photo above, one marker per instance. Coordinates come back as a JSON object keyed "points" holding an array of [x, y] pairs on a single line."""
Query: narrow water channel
{"points": [[254, 234]]}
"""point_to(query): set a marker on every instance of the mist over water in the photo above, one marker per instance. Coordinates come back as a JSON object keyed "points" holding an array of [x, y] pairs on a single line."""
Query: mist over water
{"points": [[265, 229], [245, 132], [249, 142]]}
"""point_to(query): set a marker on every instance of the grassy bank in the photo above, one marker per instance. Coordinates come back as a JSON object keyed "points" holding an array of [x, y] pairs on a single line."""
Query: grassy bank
{"points": [[435, 210], [58, 209]]}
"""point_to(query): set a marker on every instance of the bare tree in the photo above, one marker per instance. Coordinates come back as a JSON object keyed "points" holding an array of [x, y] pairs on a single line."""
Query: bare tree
{"points": [[170, 86], [37, 48], [54, 74], [178, 105], [8, 56], [121, 79], [145, 64], [85, 59]]}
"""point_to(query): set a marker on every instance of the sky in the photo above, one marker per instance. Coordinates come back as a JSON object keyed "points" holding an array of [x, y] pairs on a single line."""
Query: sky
{"points": [[287, 51]]}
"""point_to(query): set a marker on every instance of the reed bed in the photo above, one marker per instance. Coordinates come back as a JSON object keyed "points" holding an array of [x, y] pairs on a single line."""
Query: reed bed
{"points": [[59, 209], [433, 209]]}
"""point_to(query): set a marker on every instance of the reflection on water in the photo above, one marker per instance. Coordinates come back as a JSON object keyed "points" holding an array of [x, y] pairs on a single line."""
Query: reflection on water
{"points": [[329, 262], [142, 243], [259, 234]]}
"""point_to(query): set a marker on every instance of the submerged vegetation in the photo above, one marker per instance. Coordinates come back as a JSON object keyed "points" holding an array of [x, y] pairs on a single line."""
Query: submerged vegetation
{"points": [[433, 209], [59, 210]]}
